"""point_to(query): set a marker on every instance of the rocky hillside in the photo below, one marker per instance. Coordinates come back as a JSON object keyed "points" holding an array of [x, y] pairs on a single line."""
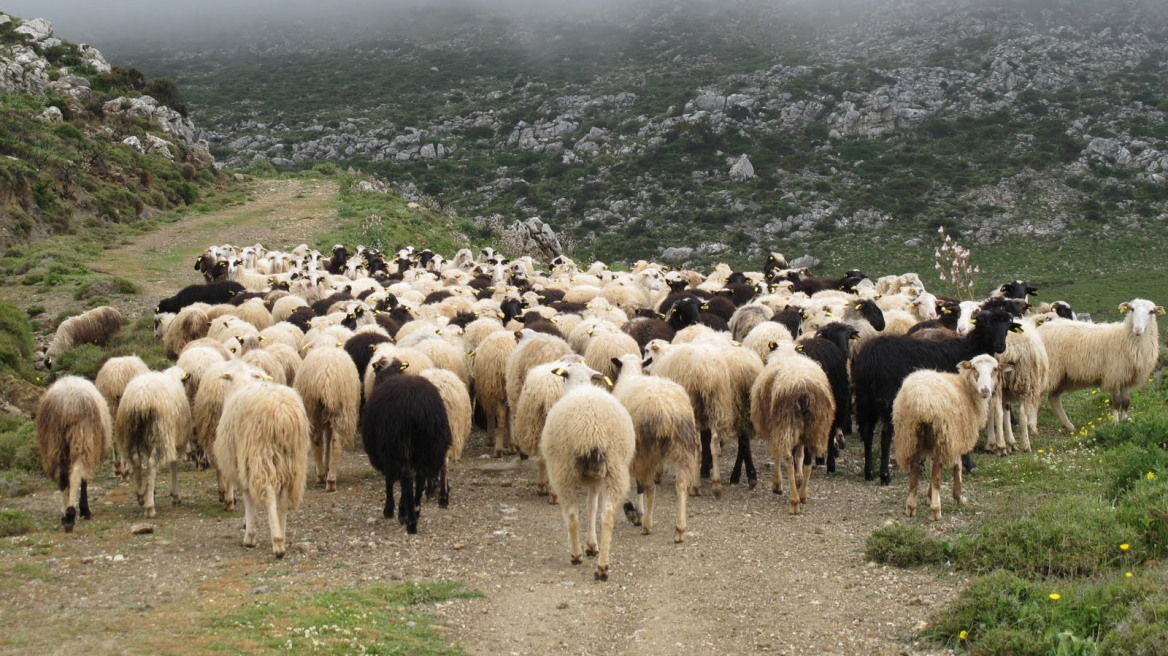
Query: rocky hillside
{"points": [[83, 142], [698, 132]]}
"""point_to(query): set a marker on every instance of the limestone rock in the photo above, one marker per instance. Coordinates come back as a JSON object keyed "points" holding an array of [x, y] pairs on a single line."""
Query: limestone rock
{"points": [[535, 236], [38, 28], [742, 170]]}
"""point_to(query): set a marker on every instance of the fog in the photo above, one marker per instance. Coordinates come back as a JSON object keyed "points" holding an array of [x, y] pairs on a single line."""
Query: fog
{"points": [[119, 20]]}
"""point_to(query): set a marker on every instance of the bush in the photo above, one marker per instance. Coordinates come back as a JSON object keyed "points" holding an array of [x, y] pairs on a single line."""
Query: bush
{"points": [[15, 343], [904, 545], [14, 522], [18, 449]]}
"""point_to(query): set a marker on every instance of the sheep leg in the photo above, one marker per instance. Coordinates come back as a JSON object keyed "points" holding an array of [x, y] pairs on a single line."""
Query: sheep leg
{"points": [[387, 512], [275, 524], [994, 424], [405, 505], [151, 477], [650, 497], [806, 474], [914, 479], [71, 495], [716, 465], [84, 503], [496, 431], [1121, 402], [592, 507], [1029, 422], [318, 455], [789, 462], [542, 488], [1008, 427], [331, 458], [885, 451], [249, 520], [867, 426], [957, 495], [572, 519], [444, 485], [175, 498], [777, 480], [681, 489], [935, 488], [635, 509], [1056, 404], [707, 454], [833, 449], [602, 562], [745, 455]]}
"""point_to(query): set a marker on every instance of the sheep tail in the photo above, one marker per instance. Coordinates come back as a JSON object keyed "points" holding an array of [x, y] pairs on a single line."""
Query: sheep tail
{"points": [[140, 424], [63, 475], [591, 465], [804, 404], [926, 438]]}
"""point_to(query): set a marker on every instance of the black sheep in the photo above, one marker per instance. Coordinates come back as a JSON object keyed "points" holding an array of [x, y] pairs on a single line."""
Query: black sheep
{"points": [[884, 362], [511, 307], [720, 306], [830, 348], [775, 262], [436, 297], [406, 435], [647, 329], [336, 264], [321, 307], [791, 319], [360, 348], [302, 318], [1017, 289], [740, 293], [212, 294]]}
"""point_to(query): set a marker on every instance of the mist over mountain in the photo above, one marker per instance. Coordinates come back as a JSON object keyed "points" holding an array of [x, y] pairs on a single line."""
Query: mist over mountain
{"points": [[699, 130]]}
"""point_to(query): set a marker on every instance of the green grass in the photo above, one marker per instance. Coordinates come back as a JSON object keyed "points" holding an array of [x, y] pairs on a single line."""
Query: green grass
{"points": [[15, 343], [1074, 518], [134, 339], [14, 522], [378, 619]]}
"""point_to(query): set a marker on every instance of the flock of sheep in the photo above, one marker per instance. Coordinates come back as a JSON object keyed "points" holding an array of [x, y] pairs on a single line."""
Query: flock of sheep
{"points": [[600, 375]]}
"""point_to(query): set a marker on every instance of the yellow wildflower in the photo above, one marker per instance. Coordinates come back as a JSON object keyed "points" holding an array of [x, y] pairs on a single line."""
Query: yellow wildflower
{"points": [[1128, 574], [963, 635], [1151, 475], [1124, 547], [1054, 596]]}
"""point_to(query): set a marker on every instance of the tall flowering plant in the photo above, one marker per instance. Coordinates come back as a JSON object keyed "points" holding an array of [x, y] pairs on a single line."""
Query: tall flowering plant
{"points": [[952, 263]]}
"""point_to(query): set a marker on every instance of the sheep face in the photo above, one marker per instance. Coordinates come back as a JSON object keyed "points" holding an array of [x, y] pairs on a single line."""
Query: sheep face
{"points": [[983, 373], [1140, 313], [965, 320]]}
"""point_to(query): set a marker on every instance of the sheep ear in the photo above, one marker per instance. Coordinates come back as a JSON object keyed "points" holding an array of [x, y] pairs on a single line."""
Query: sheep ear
{"points": [[1004, 288], [227, 376], [854, 336], [945, 310], [965, 365], [1160, 310], [562, 373], [616, 362], [1124, 307], [518, 335], [799, 348], [186, 377], [859, 306], [1016, 328], [1005, 368], [655, 348], [404, 366]]}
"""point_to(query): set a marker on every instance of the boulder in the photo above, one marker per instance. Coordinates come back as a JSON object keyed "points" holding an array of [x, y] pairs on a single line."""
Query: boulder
{"points": [[537, 237], [742, 170], [38, 28]]}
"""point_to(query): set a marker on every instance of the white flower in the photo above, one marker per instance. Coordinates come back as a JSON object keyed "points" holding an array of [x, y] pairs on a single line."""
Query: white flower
{"points": [[942, 275]]}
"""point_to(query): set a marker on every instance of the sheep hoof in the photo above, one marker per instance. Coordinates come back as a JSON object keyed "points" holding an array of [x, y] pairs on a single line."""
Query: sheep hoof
{"points": [[910, 511], [151, 513], [775, 489], [794, 510], [716, 488], [86, 514], [229, 506], [645, 530], [961, 500], [250, 544], [631, 514], [591, 551], [279, 554], [69, 519], [175, 500], [695, 491], [679, 536], [936, 514], [330, 486], [601, 573], [752, 482], [576, 560], [886, 479]]}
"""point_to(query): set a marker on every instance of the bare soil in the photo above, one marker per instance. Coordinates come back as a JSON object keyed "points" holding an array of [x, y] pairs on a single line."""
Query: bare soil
{"points": [[748, 579]]}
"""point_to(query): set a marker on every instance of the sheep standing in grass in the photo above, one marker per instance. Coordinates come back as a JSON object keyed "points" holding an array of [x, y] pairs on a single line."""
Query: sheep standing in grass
{"points": [[73, 430], [153, 426], [792, 407], [406, 434], [111, 381], [937, 415], [330, 389], [96, 326], [1023, 382], [262, 448], [588, 440], [1114, 356], [663, 420]]}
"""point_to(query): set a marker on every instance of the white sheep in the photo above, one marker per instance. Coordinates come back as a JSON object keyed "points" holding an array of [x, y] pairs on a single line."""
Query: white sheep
{"points": [[489, 371], [1114, 356], [663, 420], [937, 415], [152, 428], [542, 387], [73, 430], [95, 326], [588, 440], [111, 381], [792, 407], [262, 449], [1022, 383], [330, 388]]}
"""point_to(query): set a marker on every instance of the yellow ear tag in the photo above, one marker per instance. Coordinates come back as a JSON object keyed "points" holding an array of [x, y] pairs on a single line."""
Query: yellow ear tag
{"points": [[799, 348], [608, 381]]}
